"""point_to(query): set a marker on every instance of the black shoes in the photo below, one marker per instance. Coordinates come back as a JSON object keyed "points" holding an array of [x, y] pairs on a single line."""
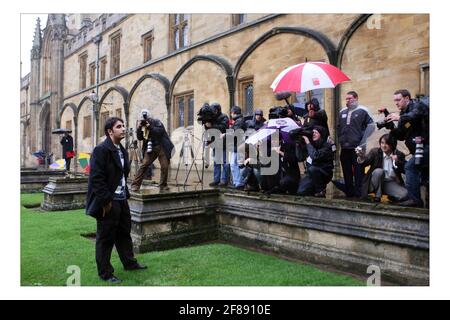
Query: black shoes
{"points": [[321, 194], [214, 184], [410, 203], [136, 267], [223, 184], [112, 280]]}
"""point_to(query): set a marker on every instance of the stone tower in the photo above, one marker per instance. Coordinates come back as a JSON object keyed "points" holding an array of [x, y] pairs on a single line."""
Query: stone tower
{"points": [[46, 83]]}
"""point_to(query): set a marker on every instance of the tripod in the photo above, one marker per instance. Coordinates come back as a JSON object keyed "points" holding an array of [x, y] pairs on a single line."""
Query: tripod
{"points": [[134, 152], [186, 148]]}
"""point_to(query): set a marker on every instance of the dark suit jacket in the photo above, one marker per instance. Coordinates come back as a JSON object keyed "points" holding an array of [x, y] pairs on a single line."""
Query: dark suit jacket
{"points": [[374, 159], [105, 175]]}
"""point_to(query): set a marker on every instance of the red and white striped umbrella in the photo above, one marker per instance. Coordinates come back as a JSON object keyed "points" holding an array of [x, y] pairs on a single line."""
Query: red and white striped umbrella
{"points": [[308, 76]]}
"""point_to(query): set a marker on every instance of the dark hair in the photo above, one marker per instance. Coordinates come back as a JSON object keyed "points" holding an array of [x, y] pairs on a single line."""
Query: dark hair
{"points": [[353, 93], [110, 123], [389, 140], [404, 93]]}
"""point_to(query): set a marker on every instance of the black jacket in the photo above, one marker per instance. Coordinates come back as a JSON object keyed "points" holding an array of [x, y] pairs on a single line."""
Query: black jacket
{"points": [[320, 118], [256, 125], [222, 124], [67, 144], [105, 176], [351, 135], [158, 136], [414, 122]]}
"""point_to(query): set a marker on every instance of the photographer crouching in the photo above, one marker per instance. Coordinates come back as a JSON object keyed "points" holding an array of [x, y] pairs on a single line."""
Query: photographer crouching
{"points": [[413, 128], [156, 145], [319, 162]]}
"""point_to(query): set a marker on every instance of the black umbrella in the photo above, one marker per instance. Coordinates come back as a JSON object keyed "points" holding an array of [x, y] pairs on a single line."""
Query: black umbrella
{"points": [[61, 131]]}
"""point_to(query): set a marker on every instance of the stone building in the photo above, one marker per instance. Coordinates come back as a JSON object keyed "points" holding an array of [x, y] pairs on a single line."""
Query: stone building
{"points": [[173, 63]]}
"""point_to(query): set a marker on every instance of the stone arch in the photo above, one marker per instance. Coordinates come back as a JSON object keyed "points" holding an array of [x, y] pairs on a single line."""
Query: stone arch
{"points": [[322, 39], [221, 62], [122, 91], [80, 143], [45, 127], [156, 76], [74, 108], [157, 89], [376, 67], [347, 35], [80, 105]]}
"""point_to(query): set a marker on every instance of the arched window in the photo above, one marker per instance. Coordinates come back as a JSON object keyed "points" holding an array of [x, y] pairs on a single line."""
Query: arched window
{"points": [[246, 95]]}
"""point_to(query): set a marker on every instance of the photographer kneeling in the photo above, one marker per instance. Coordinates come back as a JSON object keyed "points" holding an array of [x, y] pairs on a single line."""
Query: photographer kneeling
{"points": [[157, 145], [319, 164], [386, 167]]}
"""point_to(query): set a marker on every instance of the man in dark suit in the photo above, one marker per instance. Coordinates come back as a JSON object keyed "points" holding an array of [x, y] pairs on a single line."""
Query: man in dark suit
{"points": [[107, 201]]}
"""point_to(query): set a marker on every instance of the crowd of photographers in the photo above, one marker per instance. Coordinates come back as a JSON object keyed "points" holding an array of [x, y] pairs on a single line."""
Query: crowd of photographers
{"points": [[379, 171]]}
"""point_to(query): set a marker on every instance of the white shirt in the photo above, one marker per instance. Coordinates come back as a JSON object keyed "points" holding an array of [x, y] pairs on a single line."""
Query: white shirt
{"points": [[388, 167]]}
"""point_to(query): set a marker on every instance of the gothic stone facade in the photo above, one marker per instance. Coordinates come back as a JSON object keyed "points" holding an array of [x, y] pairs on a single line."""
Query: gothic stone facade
{"points": [[172, 64]]}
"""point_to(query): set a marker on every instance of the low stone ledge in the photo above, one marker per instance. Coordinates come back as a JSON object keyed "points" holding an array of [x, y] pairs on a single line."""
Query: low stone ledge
{"points": [[163, 221], [338, 234], [33, 180], [354, 219], [66, 193]]}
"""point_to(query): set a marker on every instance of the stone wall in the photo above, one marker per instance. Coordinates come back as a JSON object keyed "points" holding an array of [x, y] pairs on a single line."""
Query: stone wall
{"points": [[334, 234]]}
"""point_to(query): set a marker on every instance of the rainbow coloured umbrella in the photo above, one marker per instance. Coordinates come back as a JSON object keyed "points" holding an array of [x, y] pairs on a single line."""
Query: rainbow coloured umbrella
{"points": [[83, 159], [59, 164]]}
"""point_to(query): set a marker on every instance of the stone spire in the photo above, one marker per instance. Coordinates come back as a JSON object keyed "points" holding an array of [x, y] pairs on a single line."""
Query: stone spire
{"points": [[37, 41]]}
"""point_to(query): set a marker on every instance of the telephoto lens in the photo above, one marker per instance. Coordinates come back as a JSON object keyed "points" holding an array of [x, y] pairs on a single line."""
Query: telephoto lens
{"points": [[418, 156], [149, 146]]}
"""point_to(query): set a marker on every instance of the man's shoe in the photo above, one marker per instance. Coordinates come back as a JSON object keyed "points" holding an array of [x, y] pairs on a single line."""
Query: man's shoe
{"points": [[214, 184], [163, 186], [321, 194], [136, 267], [223, 184], [377, 199], [112, 280], [410, 203]]}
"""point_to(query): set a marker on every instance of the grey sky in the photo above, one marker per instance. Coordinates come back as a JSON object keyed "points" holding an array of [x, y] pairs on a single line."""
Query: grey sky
{"points": [[27, 26]]}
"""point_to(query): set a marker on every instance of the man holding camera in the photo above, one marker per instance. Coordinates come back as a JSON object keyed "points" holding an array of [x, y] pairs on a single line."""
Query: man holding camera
{"points": [[413, 128], [319, 164], [353, 127], [156, 145], [221, 166]]}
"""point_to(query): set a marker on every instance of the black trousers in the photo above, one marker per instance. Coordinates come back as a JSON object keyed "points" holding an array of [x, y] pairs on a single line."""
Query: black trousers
{"points": [[353, 172], [114, 230], [315, 181], [68, 160]]}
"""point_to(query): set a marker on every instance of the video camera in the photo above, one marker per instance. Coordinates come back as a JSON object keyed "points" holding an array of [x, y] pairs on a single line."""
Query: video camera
{"points": [[206, 114], [296, 134], [384, 123], [278, 112]]}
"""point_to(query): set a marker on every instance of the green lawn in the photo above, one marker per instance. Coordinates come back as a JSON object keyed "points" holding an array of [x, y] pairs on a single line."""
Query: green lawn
{"points": [[50, 242]]}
